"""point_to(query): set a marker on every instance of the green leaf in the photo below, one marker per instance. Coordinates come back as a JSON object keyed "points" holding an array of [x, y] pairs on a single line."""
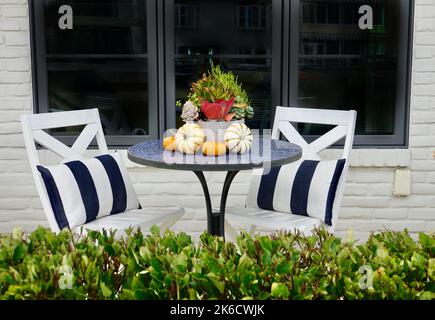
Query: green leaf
{"points": [[155, 263], [107, 293], [19, 252], [266, 259], [109, 249], [283, 267], [220, 285], [381, 252], [343, 255], [279, 290], [427, 295], [145, 252], [141, 295], [155, 231], [266, 244], [245, 262]]}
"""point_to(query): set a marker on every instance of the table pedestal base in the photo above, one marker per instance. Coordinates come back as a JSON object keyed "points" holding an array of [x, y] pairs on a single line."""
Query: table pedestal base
{"points": [[216, 220]]}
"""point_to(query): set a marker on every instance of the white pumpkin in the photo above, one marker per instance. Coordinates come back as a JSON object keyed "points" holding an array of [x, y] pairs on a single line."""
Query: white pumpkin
{"points": [[189, 138], [238, 138]]}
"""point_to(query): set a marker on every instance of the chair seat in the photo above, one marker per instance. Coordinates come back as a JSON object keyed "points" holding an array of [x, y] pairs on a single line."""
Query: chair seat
{"points": [[273, 219], [143, 218]]}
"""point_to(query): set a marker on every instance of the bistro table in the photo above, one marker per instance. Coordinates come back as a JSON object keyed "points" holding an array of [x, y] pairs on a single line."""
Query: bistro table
{"points": [[264, 153]]}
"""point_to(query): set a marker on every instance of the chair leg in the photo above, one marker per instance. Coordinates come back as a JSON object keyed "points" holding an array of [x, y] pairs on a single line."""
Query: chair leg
{"points": [[253, 230], [230, 231], [169, 223]]}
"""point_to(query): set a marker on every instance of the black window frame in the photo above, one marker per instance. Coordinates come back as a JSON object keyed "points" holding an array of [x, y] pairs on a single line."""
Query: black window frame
{"points": [[400, 138], [285, 69], [40, 81]]}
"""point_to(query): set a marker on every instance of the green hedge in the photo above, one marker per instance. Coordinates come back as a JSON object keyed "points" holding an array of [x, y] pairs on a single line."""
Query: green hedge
{"points": [[283, 266]]}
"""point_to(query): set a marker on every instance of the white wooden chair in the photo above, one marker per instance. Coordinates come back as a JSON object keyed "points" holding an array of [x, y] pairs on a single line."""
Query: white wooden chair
{"points": [[344, 122], [33, 130]]}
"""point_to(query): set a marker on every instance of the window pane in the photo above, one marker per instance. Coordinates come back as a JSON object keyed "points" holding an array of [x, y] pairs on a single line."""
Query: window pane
{"points": [[100, 63], [115, 87], [358, 68], [235, 34], [116, 26]]}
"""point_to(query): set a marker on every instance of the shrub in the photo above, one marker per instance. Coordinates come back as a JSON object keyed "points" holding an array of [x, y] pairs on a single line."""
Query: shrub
{"points": [[282, 266]]}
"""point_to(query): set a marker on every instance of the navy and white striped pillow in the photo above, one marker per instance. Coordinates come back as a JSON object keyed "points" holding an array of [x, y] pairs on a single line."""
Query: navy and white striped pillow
{"points": [[82, 191], [305, 188]]}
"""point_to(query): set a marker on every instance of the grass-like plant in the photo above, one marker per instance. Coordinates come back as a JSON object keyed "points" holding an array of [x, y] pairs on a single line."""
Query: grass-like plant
{"points": [[390, 265]]}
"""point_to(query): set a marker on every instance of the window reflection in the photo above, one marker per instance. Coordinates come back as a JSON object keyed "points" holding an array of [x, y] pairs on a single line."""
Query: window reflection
{"points": [[100, 63], [343, 67], [234, 34], [109, 27], [114, 86]]}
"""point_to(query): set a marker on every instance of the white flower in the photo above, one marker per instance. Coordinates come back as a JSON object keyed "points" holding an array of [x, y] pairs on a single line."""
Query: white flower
{"points": [[190, 112], [189, 104]]}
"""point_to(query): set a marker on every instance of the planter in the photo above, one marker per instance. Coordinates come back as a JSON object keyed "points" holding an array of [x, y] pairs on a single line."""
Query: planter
{"points": [[215, 130]]}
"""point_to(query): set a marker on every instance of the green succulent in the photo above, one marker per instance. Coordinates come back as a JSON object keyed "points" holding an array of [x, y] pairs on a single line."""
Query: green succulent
{"points": [[217, 85]]}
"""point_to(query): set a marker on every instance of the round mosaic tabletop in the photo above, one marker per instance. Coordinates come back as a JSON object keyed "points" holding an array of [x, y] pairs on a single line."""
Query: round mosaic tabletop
{"points": [[264, 152]]}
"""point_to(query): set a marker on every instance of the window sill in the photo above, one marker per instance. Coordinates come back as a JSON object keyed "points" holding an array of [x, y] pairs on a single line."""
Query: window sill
{"points": [[374, 157]]}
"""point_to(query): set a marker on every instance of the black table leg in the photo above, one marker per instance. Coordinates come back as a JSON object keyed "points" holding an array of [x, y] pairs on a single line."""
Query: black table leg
{"points": [[210, 218], [216, 220]]}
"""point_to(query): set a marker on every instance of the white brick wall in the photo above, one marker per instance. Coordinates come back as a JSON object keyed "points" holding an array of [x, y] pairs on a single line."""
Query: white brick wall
{"points": [[368, 204]]}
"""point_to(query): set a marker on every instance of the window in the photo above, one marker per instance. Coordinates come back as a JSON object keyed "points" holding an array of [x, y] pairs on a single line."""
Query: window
{"points": [[252, 17], [133, 59], [320, 12], [244, 48], [360, 69], [186, 16], [101, 62]]}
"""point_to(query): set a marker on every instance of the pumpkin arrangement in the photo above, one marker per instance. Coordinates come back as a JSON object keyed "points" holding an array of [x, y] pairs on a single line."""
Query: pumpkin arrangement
{"points": [[216, 102]]}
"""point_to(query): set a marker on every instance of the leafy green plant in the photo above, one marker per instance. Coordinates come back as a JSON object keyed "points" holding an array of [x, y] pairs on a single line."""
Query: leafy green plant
{"points": [[216, 86], [283, 266]]}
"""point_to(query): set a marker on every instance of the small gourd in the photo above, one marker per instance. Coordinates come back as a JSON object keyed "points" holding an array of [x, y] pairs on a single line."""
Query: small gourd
{"points": [[212, 148], [189, 138], [238, 138], [169, 143]]}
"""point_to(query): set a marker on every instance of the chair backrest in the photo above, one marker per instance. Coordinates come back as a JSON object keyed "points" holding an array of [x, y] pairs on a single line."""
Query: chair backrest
{"points": [[33, 130], [344, 122]]}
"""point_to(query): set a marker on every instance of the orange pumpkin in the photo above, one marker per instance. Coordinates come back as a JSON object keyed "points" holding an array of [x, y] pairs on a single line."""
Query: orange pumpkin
{"points": [[215, 149], [169, 143]]}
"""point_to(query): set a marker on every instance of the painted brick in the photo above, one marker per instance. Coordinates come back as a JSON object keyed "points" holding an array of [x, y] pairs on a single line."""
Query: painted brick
{"points": [[356, 213], [391, 214], [21, 11], [9, 25], [368, 204], [421, 214]]}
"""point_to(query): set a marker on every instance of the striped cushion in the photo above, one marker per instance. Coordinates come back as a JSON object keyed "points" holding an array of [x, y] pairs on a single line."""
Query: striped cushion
{"points": [[305, 188], [82, 191]]}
